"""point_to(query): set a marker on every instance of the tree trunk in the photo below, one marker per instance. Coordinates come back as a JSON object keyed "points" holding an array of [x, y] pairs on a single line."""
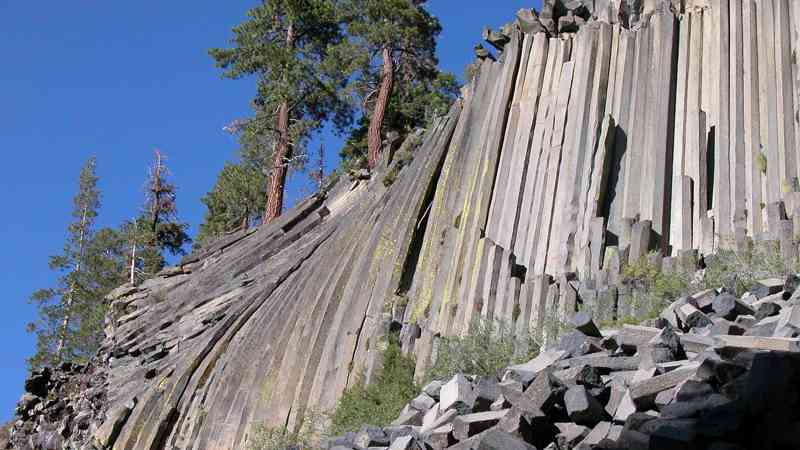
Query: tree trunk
{"points": [[282, 153], [376, 123], [278, 178], [71, 292]]}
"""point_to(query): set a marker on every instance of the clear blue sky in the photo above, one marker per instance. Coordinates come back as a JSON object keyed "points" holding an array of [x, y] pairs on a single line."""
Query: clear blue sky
{"points": [[118, 79]]}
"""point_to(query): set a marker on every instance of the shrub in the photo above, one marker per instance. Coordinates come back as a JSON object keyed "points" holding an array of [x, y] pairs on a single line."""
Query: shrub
{"points": [[739, 270], [281, 438], [652, 289], [380, 402], [487, 348]]}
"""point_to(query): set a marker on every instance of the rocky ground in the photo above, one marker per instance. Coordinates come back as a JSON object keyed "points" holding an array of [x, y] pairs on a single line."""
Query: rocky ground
{"points": [[713, 372], [61, 408]]}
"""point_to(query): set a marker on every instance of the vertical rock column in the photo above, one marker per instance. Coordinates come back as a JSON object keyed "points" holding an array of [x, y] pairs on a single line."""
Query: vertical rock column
{"points": [[621, 112], [575, 138], [722, 177], [695, 129], [738, 169], [752, 133], [785, 98], [681, 222], [602, 81], [636, 132], [768, 113], [658, 141]]}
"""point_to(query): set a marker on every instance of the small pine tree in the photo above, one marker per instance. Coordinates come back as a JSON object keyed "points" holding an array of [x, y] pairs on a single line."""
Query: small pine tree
{"points": [[157, 230], [235, 202]]}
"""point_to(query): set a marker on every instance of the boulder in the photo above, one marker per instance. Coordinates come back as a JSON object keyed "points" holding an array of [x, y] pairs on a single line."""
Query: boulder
{"points": [[582, 322], [458, 393], [583, 409]]}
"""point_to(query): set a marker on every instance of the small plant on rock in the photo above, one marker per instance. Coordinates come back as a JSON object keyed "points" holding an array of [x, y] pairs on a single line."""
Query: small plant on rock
{"points": [[739, 269], [652, 288], [484, 350], [379, 402], [281, 438]]}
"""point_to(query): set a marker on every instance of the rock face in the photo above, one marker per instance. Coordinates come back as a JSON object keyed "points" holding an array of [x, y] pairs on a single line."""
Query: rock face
{"points": [[641, 126]]}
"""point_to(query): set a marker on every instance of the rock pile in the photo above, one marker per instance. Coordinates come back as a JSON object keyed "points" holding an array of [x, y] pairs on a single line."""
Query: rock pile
{"points": [[61, 408], [712, 372]]}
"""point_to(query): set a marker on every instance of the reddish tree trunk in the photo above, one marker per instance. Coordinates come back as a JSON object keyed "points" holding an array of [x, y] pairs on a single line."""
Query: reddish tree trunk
{"points": [[376, 123], [278, 179]]}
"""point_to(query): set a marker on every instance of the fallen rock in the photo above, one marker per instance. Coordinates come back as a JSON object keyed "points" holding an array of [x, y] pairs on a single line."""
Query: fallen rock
{"points": [[583, 409]]}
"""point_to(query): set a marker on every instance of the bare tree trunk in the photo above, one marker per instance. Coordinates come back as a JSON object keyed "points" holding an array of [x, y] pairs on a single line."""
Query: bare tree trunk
{"points": [[245, 220], [376, 123], [134, 238], [282, 152], [156, 192], [71, 293]]}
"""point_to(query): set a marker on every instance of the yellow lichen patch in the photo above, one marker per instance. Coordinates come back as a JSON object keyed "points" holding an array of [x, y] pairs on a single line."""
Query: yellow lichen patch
{"points": [[267, 387]]}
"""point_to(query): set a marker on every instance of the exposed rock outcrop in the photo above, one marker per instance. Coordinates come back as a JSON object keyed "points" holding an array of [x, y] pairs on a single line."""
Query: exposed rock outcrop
{"points": [[654, 125]]}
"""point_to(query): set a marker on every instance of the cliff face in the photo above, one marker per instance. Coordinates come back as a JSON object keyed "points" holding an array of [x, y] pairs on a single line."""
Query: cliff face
{"points": [[667, 125]]}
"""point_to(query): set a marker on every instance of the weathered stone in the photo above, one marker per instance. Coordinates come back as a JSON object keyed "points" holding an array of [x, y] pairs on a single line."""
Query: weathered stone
{"points": [[529, 22], [570, 434], [766, 287], [409, 417], [643, 393], [457, 393], [499, 440], [497, 39], [583, 323], [664, 347], [370, 436], [759, 343], [525, 373], [433, 388], [544, 393], [691, 317], [402, 443], [729, 307], [423, 402], [582, 408], [469, 425]]}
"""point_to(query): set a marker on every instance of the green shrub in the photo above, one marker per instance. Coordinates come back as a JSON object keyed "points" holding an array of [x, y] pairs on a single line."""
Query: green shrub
{"points": [[264, 438], [380, 402], [403, 156], [652, 289], [739, 270], [484, 350]]}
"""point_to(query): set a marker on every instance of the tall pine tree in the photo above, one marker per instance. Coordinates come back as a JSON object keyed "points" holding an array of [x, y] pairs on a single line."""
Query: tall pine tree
{"points": [[287, 45], [69, 327], [391, 51]]}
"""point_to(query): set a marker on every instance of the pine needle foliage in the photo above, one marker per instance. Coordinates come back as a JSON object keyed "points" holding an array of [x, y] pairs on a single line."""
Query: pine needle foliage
{"points": [[69, 326]]}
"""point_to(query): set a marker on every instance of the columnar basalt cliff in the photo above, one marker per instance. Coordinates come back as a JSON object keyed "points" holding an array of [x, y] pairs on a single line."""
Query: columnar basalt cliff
{"points": [[602, 130]]}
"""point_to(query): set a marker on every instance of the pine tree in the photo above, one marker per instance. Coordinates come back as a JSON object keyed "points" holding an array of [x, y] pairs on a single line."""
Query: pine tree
{"points": [[391, 48], [69, 327], [287, 44], [235, 202]]}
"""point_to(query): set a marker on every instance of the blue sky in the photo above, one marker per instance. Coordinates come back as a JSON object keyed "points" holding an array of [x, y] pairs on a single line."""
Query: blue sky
{"points": [[118, 79]]}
